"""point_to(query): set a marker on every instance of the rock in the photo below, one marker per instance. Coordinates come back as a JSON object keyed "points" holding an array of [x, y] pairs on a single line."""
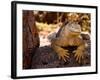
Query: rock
{"points": [[45, 57], [30, 38], [85, 36]]}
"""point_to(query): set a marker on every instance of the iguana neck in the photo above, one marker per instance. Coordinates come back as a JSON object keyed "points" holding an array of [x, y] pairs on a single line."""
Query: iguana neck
{"points": [[72, 36]]}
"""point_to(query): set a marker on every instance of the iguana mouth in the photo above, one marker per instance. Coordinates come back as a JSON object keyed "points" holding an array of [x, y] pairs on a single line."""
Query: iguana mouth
{"points": [[78, 31]]}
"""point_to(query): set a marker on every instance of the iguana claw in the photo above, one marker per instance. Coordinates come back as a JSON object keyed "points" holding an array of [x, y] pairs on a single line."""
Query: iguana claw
{"points": [[64, 55], [79, 56]]}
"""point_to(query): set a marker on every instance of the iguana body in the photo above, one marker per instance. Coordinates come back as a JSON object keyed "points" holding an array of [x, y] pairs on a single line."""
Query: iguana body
{"points": [[69, 36]]}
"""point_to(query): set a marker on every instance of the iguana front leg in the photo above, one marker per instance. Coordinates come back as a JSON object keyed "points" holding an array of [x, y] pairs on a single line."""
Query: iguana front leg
{"points": [[57, 45], [80, 55]]}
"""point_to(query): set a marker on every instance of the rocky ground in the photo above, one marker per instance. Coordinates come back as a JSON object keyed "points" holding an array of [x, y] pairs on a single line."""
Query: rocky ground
{"points": [[45, 57]]}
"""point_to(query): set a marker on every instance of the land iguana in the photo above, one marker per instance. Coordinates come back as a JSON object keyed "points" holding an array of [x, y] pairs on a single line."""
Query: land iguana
{"points": [[69, 35]]}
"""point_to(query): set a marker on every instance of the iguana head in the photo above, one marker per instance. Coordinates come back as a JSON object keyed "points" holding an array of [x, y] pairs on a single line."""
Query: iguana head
{"points": [[74, 29]]}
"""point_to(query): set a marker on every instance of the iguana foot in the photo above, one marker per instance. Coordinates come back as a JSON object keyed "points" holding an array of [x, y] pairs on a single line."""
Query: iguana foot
{"points": [[64, 55], [80, 56]]}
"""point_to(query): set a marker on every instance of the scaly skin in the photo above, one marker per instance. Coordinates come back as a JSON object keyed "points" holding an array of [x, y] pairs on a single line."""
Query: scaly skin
{"points": [[69, 36]]}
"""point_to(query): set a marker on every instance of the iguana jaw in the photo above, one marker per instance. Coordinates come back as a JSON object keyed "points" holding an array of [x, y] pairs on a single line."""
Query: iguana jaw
{"points": [[74, 34]]}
